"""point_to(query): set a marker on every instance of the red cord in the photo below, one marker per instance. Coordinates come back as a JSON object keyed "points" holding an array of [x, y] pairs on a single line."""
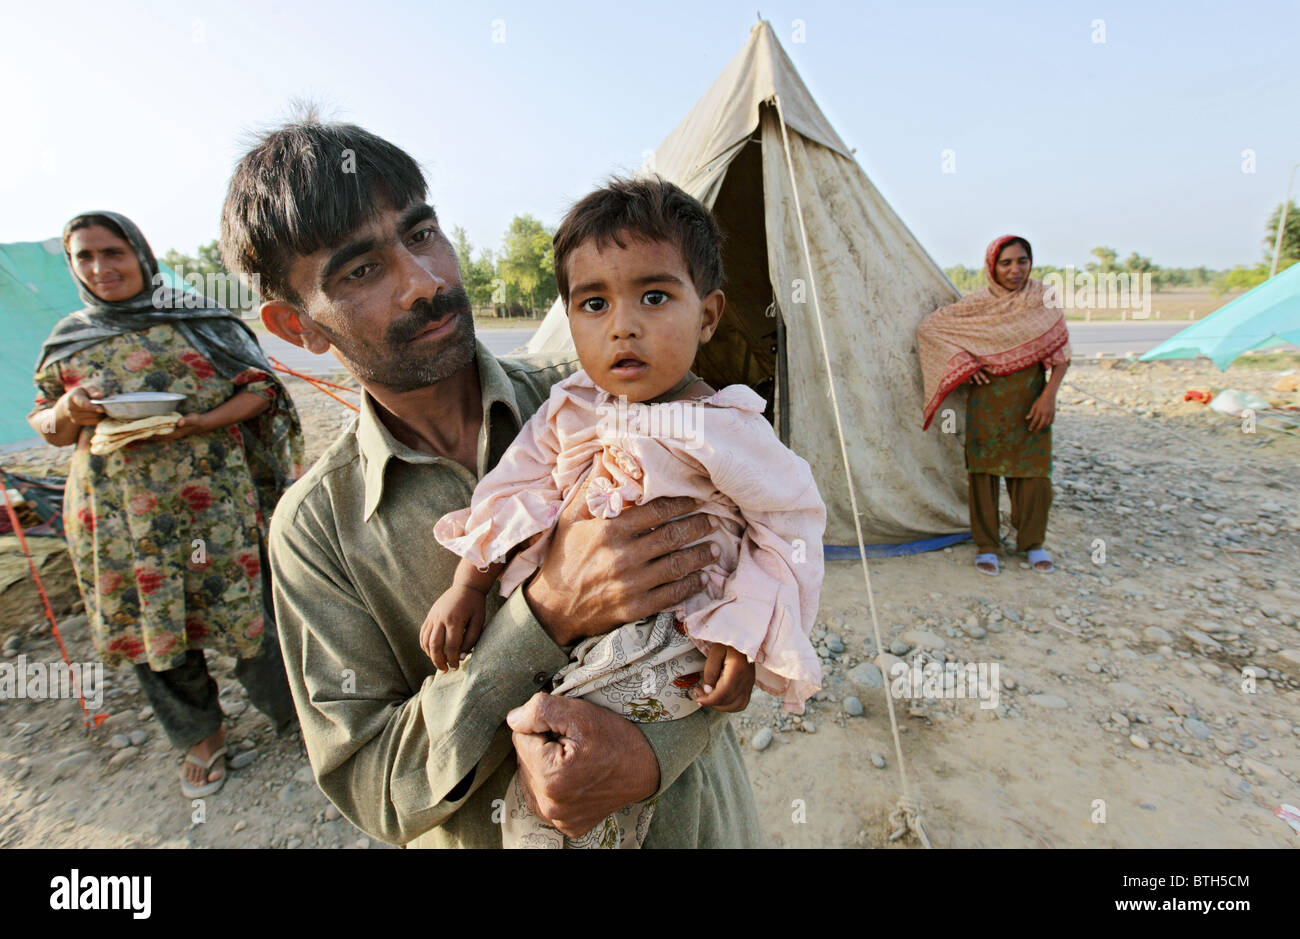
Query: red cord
{"points": [[49, 613], [318, 383]]}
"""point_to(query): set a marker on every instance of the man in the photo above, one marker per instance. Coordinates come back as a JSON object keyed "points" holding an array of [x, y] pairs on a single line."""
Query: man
{"points": [[350, 257]]}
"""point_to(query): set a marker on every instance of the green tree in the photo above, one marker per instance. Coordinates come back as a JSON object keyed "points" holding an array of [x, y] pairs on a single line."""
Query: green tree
{"points": [[476, 274], [1137, 264], [1240, 277], [207, 261], [967, 279], [1290, 238], [526, 264], [1105, 263]]}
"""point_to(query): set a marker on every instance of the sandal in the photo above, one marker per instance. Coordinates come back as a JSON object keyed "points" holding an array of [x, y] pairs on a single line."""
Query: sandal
{"points": [[192, 791], [987, 559], [1038, 556]]}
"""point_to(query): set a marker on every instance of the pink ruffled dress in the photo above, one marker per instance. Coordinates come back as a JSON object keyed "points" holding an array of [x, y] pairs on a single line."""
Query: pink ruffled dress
{"points": [[762, 591]]}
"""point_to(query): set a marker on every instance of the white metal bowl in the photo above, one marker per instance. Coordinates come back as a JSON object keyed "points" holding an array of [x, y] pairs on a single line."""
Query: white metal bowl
{"points": [[137, 404]]}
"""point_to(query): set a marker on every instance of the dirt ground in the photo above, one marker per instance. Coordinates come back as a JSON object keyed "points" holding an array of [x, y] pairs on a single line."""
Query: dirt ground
{"points": [[1146, 693]]}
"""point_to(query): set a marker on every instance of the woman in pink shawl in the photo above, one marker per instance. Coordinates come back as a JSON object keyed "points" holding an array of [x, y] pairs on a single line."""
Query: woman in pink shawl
{"points": [[1003, 340]]}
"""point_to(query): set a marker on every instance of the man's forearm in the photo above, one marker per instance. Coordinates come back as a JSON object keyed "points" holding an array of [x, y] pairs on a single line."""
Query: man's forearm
{"points": [[399, 766]]}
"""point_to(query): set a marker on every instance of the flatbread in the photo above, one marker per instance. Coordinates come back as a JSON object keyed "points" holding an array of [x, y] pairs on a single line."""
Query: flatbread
{"points": [[111, 434]]}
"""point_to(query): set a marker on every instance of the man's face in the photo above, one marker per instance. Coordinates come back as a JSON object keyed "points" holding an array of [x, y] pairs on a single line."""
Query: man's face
{"points": [[635, 317], [390, 301]]}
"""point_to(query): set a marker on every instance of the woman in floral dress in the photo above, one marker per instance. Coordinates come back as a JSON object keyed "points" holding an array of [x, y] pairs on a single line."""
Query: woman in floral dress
{"points": [[167, 533]]}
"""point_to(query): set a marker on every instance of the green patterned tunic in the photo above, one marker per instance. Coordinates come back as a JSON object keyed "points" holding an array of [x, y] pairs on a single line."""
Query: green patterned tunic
{"points": [[164, 536], [998, 441]]}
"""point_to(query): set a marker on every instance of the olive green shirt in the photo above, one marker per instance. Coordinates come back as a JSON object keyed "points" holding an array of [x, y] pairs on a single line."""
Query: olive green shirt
{"points": [[415, 757]]}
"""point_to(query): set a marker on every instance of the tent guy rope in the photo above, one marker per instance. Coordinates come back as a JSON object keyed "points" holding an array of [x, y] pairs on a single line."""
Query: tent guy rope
{"points": [[907, 813]]}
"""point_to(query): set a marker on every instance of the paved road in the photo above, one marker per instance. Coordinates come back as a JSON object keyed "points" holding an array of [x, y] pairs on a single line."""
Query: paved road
{"points": [[1087, 339]]}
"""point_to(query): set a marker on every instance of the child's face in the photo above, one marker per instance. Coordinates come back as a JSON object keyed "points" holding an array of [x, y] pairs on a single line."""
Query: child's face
{"points": [[635, 317]]}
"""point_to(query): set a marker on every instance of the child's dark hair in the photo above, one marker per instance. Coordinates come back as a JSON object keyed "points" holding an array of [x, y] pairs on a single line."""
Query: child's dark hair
{"points": [[651, 209]]}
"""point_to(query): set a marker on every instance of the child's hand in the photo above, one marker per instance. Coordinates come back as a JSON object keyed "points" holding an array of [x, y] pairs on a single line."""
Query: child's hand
{"points": [[453, 626], [727, 682]]}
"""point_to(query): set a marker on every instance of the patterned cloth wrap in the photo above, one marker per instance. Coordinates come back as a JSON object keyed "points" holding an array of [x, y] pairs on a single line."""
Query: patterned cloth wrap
{"points": [[643, 671]]}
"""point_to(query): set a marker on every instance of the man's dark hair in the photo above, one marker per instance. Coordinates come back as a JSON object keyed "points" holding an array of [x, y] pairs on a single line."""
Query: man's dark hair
{"points": [[306, 186], [650, 209]]}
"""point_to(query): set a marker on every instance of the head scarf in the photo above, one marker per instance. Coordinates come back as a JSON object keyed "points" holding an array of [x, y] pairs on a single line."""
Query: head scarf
{"points": [[274, 449], [995, 329]]}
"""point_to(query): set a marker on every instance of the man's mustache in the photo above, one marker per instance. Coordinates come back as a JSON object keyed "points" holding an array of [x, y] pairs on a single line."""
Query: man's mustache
{"points": [[424, 313]]}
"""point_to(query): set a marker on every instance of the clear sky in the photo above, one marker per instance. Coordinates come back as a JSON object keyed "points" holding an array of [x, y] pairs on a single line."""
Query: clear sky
{"points": [[1135, 142]]}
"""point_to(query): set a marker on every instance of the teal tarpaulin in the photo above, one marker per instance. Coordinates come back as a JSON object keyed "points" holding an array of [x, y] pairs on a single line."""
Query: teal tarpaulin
{"points": [[1263, 316], [36, 291]]}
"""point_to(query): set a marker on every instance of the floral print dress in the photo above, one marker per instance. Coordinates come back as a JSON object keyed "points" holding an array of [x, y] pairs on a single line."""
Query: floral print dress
{"points": [[998, 439], [165, 536]]}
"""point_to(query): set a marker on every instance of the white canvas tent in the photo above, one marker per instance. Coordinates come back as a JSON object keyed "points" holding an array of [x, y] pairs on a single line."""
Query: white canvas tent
{"points": [[871, 281]]}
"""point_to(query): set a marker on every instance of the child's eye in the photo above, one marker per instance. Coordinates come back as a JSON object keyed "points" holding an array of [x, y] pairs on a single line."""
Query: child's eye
{"points": [[654, 298], [593, 305]]}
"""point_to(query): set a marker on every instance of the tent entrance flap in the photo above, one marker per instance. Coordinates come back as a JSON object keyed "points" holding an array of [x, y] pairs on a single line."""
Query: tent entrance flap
{"points": [[743, 350]]}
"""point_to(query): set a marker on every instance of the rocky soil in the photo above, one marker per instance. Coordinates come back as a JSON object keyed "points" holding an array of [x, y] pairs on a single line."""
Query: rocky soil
{"points": [[1147, 691]]}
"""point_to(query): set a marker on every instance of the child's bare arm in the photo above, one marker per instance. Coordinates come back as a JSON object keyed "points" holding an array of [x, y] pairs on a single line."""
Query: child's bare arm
{"points": [[455, 621], [728, 680]]}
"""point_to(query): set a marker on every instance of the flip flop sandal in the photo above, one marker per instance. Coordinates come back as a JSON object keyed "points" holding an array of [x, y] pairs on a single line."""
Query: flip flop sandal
{"points": [[192, 791], [987, 559], [1036, 557]]}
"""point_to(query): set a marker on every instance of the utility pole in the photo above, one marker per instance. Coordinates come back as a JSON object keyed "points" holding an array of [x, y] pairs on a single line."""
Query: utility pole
{"points": [[1281, 222]]}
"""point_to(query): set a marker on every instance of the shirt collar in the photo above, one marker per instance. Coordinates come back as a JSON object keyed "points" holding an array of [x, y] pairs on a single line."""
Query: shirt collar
{"points": [[377, 445]]}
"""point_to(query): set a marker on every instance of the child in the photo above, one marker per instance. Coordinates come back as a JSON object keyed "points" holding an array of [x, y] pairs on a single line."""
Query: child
{"points": [[638, 265]]}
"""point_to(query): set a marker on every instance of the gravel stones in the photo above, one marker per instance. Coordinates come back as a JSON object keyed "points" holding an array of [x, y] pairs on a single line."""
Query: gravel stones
{"points": [[852, 706], [1051, 701], [242, 758], [762, 739], [867, 675]]}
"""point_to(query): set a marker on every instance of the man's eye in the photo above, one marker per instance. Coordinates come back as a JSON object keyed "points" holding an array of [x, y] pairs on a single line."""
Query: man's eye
{"points": [[654, 298], [359, 272], [424, 234], [593, 305]]}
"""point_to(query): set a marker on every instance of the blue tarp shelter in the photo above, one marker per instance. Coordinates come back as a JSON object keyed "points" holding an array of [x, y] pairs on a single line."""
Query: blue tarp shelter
{"points": [[1267, 315]]}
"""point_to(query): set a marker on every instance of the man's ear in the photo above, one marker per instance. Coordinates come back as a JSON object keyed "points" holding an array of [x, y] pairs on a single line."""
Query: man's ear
{"points": [[713, 305], [292, 325]]}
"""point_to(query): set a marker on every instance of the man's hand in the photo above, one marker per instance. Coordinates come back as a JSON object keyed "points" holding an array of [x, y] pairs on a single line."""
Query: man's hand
{"points": [[80, 409], [599, 764], [1042, 413], [601, 573]]}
